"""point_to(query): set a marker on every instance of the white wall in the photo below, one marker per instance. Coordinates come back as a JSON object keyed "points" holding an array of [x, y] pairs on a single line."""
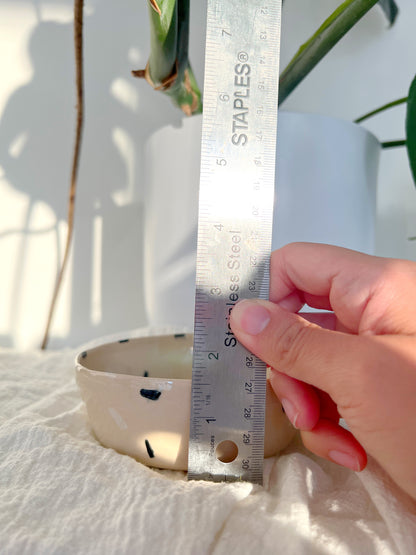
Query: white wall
{"points": [[103, 289], [371, 66]]}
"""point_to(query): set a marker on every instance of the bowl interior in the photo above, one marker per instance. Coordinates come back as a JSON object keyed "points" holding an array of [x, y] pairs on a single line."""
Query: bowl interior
{"points": [[167, 357]]}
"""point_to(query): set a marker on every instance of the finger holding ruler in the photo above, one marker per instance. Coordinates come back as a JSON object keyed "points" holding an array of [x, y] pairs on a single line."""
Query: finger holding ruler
{"points": [[234, 235]]}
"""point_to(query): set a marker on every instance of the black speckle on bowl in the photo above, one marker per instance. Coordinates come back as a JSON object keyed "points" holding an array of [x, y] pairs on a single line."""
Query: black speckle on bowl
{"points": [[84, 354], [150, 451], [178, 335], [151, 394], [124, 340]]}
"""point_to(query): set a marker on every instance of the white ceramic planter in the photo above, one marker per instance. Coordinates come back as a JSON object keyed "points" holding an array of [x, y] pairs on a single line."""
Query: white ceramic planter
{"points": [[325, 192]]}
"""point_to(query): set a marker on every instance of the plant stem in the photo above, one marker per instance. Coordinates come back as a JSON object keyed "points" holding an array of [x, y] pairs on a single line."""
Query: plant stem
{"points": [[328, 34], [78, 42], [381, 109], [393, 144], [168, 68]]}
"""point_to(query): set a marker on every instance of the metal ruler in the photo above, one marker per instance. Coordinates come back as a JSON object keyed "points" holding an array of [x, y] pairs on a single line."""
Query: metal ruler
{"points": [[234, 235]]}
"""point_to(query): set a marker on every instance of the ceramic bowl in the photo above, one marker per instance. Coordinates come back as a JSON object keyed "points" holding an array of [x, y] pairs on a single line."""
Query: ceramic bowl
{"points": [[138, 398]]}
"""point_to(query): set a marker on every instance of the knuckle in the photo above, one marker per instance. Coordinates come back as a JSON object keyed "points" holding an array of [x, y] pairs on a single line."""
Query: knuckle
{"points": [[392, 271], [396, 274], [291, 347], [390, 291], [363, 369]]}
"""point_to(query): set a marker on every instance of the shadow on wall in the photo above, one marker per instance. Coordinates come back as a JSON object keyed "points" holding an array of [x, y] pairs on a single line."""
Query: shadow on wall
{"points": [[105, 281]]}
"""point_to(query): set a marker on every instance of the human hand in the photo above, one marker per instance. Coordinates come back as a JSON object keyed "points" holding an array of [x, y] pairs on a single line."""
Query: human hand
{"points": [[357, 363]]}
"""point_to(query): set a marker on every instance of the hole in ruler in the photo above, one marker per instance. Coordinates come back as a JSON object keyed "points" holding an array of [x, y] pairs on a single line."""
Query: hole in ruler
{"points": [[226, 451]]}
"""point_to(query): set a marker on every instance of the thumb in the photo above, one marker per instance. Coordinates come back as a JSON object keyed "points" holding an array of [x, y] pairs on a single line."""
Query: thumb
{"points": [[329, 360]]}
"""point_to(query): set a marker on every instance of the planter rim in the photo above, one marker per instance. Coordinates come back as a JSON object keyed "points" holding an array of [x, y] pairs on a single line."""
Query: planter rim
{"points": [[349, 125]]}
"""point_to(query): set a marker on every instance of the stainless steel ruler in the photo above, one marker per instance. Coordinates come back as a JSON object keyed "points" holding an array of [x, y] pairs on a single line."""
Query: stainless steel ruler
{"points": [[234, 235]]}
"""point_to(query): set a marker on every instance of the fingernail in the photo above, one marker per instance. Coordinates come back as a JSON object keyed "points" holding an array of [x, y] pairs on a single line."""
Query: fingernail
{"points": [[291, 411], [250, 316], [344, 459]]}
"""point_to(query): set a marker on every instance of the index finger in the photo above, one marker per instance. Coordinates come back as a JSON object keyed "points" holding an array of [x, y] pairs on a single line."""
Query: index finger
{"points": [[311, 268], [338, 279]]}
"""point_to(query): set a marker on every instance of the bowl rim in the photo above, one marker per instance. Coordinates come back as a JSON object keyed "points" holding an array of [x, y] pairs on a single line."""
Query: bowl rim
{"points": [[82, 355]]}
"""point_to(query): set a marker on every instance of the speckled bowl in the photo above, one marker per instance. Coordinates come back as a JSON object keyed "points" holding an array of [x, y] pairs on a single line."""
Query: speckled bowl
{"points": [[138, 398]]}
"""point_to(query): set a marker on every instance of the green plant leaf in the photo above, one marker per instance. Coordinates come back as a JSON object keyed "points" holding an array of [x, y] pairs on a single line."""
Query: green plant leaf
{"points": [[411, 128], [328, 34], [390, 9], [381, 109]]}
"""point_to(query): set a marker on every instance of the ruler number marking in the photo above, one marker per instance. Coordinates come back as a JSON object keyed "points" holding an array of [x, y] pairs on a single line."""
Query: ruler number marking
{"points": [[247, 438], [245, 464], [248, 386]]}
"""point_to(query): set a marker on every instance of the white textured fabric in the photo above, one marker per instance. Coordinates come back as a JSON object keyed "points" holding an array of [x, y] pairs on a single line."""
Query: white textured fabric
{"points": [[61, 492]]}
